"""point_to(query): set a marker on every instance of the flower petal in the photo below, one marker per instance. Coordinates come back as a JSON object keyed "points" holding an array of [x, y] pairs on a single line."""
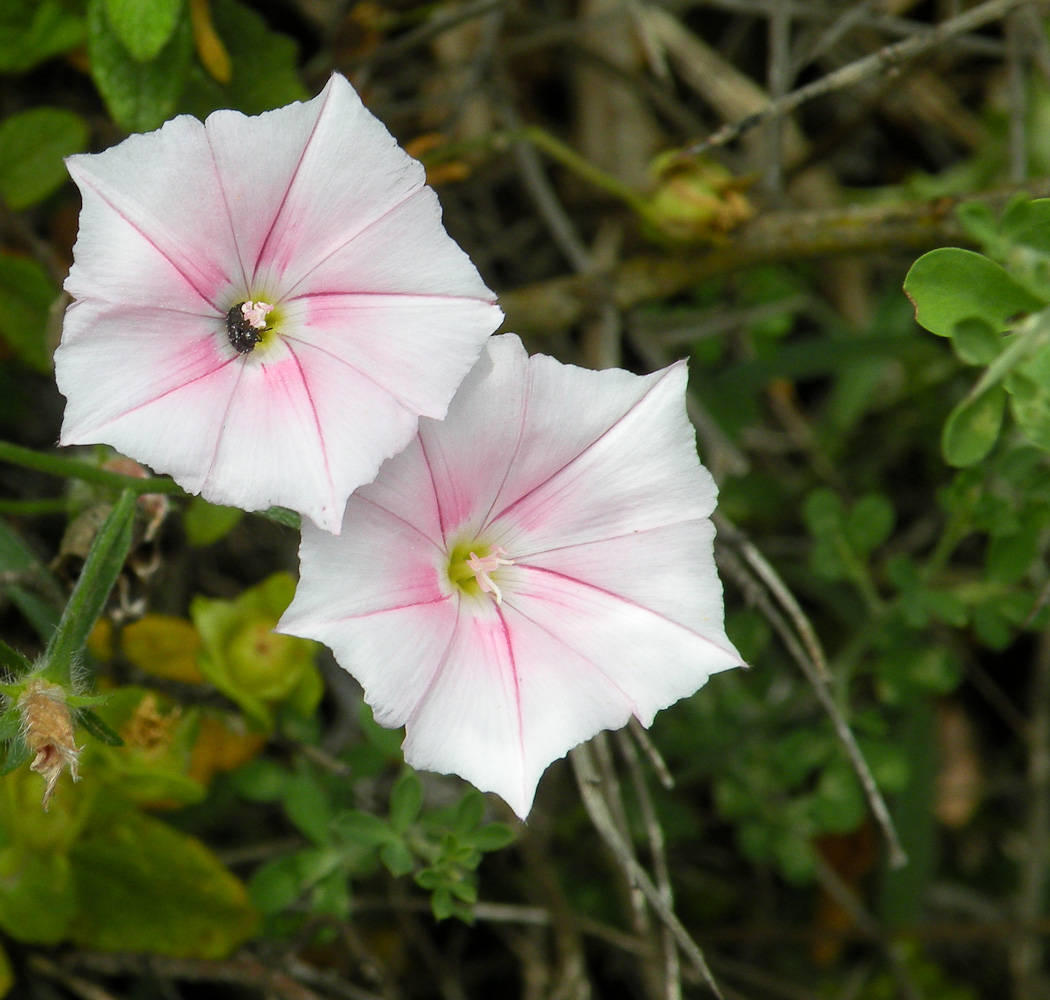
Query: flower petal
{"points": [[416, 348], [669, 570], [115, 362], [405, 250], [374, 596], [627, 463], [469, 453], [154, 220], [291, 435], [306, 179]]}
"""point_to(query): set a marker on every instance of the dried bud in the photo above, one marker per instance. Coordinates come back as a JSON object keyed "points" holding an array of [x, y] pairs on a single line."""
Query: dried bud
{"points": [[47, 728]]}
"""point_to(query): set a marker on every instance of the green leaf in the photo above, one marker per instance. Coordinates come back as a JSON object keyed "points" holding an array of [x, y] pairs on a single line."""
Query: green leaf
{"points": [[139, 95], [206, 523], [33, 145], [276, 885], [40, 898], [976, 341], [26, 297], [101, 569], [493, 837], [40, 597], [262, 780], [442, 904], [1030, 405], [364, 829], [93, 724], [16, 753], [12, 662], [397, 858], [869, 523], [265, 66], [949, 285], [973, 427], [143, 28], [468, 814], [308, 807], [406, 799], [34, 30], [148, 887]]}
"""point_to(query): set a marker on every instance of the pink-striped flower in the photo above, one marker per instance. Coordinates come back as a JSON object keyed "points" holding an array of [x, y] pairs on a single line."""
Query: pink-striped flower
{"points": [[265, 306], [532, 570]]}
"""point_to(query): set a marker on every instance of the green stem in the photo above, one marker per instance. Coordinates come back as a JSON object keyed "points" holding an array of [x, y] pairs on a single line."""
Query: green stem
{"points": [[32, 508], [73, 468], [556, 150]]}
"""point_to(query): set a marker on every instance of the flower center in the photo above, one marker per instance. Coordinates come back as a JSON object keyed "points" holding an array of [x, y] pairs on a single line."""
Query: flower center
{"points": [[246, 324], [472, 573]]}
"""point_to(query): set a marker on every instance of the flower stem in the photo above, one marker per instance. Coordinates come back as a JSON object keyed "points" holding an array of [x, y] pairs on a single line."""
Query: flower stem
{"points": [[73, 468]]}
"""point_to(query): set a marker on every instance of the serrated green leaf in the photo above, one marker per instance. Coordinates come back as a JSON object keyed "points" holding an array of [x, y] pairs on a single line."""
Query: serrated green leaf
{"points": [[949, 285], [101, 568], [973, 427], [143, 28], [33, 145], [406, 799], [976, 341], [139, 95], [148, 887], [206, 523]]}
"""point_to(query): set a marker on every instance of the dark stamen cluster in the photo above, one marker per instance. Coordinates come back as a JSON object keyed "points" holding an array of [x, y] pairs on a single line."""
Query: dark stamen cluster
{"points": [[243, 336]]}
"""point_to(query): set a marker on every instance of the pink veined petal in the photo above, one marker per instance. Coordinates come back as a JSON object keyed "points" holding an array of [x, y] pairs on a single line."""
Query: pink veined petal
{"points": [[404, 250], [383, 563], [669, 569], [416, 348], [467, 455], [291, 436], [468, 720], [342, 172], [640, 472], [653, 660], [154, 222], [115, 362], [373, 596], [403, 488]]}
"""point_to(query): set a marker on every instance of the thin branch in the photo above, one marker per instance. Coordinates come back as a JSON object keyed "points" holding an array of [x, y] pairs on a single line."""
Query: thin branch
{"points": [[551, 307], [883, 61], [588, 782], [730, 563]]}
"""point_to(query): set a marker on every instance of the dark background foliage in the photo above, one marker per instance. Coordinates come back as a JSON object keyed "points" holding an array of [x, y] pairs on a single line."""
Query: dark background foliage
{"points": [[886, 575]]}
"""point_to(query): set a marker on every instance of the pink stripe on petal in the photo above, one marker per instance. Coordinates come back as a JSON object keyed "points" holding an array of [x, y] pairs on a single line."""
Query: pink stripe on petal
{"points": [[654, 660]]}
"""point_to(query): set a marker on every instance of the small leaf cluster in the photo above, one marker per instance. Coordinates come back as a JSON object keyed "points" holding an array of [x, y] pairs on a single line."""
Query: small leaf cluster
{"points": [[440, 848]]}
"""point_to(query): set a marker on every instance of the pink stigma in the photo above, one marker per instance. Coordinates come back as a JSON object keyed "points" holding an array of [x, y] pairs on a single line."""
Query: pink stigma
{"points": [[255, 313], [486, 565]]}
